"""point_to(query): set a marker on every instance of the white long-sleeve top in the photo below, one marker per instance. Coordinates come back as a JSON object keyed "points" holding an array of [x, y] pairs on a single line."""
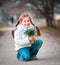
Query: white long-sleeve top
{"points": [[21, 40]]}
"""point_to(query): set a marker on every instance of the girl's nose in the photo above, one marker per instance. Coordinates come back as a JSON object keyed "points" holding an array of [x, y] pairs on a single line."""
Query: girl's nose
{"points": [[26, 22]]}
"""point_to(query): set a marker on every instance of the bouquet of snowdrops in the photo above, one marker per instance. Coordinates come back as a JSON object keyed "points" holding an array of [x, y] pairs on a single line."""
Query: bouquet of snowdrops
{"points": [[30, 32]]}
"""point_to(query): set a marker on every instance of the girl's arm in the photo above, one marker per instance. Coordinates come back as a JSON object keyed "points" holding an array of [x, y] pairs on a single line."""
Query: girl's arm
{"points": [[12, 32], [22, 42]]}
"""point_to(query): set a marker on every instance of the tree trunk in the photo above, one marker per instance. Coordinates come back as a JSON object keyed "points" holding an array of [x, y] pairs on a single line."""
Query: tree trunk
{"points": [[49, 22]]}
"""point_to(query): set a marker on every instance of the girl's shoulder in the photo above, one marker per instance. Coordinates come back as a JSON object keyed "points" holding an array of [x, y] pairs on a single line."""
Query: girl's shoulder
{"points": [[33, 26], [18, 28]]}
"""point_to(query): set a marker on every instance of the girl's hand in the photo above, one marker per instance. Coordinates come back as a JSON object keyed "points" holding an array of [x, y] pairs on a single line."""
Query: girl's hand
{"points": [[31, 38]]}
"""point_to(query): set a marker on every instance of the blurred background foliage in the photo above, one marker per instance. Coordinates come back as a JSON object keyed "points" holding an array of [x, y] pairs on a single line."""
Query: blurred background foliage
{"points": [[47, 11]]}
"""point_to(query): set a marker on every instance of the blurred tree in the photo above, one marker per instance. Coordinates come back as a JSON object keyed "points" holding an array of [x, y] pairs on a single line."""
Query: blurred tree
{"points": [[46, 8], [2, 2], [2, 14]]}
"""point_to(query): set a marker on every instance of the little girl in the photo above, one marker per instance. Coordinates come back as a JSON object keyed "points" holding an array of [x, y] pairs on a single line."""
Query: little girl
{"points": [[26, 50]]}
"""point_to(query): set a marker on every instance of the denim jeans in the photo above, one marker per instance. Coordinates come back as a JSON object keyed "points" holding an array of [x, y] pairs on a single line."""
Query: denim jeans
{"points": [[27, 53]]}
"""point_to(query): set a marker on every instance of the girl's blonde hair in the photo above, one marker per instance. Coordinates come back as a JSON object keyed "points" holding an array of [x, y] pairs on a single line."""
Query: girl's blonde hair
{"points": [[23, 15]]}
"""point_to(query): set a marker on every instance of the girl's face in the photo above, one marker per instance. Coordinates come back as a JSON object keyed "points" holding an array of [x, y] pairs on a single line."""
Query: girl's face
{"points": [[26, 22]]}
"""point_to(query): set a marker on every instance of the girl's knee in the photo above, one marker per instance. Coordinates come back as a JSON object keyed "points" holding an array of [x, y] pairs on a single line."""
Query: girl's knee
{"points": [[39, 41]]}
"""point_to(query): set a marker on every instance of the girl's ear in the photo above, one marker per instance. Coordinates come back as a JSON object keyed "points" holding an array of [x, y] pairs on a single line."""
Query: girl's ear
{"points": [[38, 31]]}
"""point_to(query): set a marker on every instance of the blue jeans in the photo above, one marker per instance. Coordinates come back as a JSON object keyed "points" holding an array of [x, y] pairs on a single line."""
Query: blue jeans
{"points": [[27, 53]]}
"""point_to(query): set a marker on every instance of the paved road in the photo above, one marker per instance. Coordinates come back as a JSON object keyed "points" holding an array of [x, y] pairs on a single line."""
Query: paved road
{"points": [[49, 54]]}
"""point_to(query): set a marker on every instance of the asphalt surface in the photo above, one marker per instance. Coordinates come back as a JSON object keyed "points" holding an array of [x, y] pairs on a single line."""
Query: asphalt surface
{"points": [[49, 53]]}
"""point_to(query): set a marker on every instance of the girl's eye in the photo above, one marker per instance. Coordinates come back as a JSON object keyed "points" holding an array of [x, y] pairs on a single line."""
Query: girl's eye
{"points": [[27, 20], [24, 21]]}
